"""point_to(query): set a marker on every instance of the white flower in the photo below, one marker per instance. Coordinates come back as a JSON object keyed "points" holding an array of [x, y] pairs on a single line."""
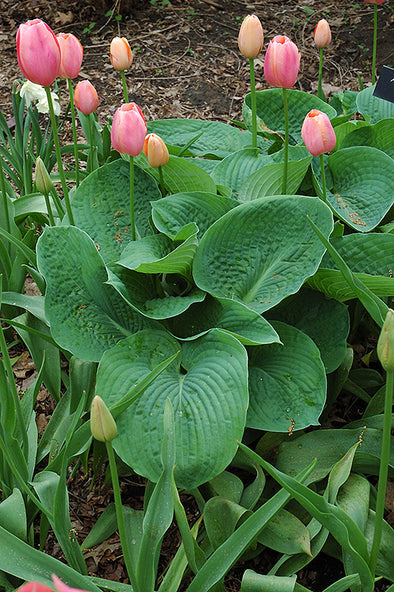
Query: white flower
{"points": [[34, 92]]}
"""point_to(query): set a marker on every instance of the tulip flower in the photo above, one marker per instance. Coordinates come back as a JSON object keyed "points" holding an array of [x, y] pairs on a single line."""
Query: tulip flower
{"points": [[385, 346], [322, 38], [44, 185], [374, 1], [34, 587], [35, 93], [250, 43], [121, 59], [155, 150], [318, 133], [281, 65], [102, 424], [85, 97], [127, 137], [71, 54], [38, 52]]}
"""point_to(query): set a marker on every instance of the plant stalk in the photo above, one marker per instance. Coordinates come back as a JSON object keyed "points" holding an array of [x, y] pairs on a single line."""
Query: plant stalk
{"points": [[132, 216], [75, 139], [320, 92], [383, 471], [253, 102], [125, 92], [161, 181], [49, 209], [323, 178], [5, 202], [375, 38], [59, 156], [286, 146]]}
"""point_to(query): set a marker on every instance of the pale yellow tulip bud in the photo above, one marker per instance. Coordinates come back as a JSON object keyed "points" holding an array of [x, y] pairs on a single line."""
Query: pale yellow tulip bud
{"points": [[102, 424], [251, 37], [385, 347]]}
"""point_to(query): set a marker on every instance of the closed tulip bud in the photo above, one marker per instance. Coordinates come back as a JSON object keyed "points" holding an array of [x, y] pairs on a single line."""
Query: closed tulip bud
{"points": [[251, 37], [385, 347], [281, 62], [121, 54], [43, 180], [318, 133], [71, 54], [374, 1], [156, 150], [85, 97], [38, 52], [128, 130], [322, 34], [34, 587], [102, 424]]}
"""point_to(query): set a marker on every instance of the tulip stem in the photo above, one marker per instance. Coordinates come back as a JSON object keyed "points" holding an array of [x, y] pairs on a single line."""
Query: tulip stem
{"points": [[75, 140], [161, 180], [91, 147], [320, 92], [383, 470], [49, 209], [286, 146], [133, 233], [119, 514], [323, 178], [253, 102], [5, 202], [59, 156], [375, 37], [125, 92]]}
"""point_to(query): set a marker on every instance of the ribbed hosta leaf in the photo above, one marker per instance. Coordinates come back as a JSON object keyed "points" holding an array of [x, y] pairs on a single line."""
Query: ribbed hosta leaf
{"points": [[101, 206], [268, 180], [235, 169], [208, 392], [362, 193], [86, 315], [378, 136], [176, 211], [373, 108], [262, 251], [369, 256], [287, 383]]}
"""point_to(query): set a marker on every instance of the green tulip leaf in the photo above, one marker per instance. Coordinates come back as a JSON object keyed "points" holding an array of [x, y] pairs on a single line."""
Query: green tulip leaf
{"points": [[207, 388], [238, 166], [373, 108], [173, 212], [86, 315], [361, 195], [287, 383], [262, 251], [222, 313], [101, 206], [270, 110], [369, 256], [254, 582], [221, 516], [378, 136], [286, 534]]}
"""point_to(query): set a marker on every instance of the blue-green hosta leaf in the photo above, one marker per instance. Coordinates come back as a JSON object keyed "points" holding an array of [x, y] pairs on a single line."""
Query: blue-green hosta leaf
{"points": [[86, 315], [217, 139], [373, 108], [287, 383], [369, 256], [208, 391], [347, 128], [270, 111], [363, 186], [176, 211], [141, 292], [101, 206], [238, 166], [159, 254], [325, 320], [268, 180], [378, 136], [262, 251], [222, 313]]}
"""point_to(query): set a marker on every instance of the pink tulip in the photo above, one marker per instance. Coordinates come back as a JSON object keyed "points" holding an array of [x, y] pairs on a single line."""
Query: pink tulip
{"points": [[282, 62], [322, 34], [121, 54], [374, 1], [155, 150], [38, 52], [128, 130], [85, 97], [34, 587], [251, 37], [318, 133], [71, 53]]}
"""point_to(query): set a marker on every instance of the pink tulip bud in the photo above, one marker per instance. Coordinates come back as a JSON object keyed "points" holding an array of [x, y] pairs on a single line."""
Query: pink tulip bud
{"points": [[156, 150], [128, 130], [282, 62], [121, 54], [251, 37], [318, 133], [322, 34], [71, 52], [374, 1], [34, 587], [38, 52], [85, 97]]}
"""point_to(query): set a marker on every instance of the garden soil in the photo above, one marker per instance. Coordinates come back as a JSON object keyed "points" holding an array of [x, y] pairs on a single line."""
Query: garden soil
{"points": [[187, 64]]}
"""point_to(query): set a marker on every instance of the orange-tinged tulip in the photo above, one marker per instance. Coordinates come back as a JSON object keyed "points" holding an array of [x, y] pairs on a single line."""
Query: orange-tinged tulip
{"points": [[121, 54], [322, 34], [318, 133], [155, 150], [128, 130], [85, 97], [71, 52], [251, 37], [38, 52], [281, 62]]}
